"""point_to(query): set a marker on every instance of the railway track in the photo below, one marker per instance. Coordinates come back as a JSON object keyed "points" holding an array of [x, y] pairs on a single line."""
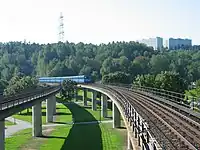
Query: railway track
{"points": [[189, 113], [171, 129]]}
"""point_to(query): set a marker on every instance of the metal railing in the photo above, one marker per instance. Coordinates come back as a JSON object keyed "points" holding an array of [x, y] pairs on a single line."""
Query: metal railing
{"points": [[178, 98], [188, 101], [139, 125], [26, 97]]}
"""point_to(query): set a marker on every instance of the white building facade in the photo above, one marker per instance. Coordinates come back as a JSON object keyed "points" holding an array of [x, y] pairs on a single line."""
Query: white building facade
{"points": [[156, 43]]}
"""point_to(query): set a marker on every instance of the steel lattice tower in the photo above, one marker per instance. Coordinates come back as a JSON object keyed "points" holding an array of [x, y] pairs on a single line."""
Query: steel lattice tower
{"points": [[61, 28]]}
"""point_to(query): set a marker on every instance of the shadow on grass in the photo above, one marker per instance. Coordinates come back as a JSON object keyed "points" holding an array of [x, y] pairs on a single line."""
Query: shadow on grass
{"points": [[121, 127], [63, 113], [43, 113], [83, 136], [59, 122], [30, 114], [56, 108], [108, 103], [87, 107], [53, 137], [87, 137]]}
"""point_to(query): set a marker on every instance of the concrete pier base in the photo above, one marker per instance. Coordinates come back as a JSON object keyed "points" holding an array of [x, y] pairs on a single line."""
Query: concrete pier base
{"points": [[50, 109], [37, 120], [116, 116], [84, 97], [2, 134], [104, 105], [94, 100]]}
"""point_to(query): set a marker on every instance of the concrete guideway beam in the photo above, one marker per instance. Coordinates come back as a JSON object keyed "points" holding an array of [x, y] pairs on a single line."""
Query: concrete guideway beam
{"points": [[94, 100], [116, 116], [135, 142], [50, 109], [104, 105], [2, 134], [37, 120]]}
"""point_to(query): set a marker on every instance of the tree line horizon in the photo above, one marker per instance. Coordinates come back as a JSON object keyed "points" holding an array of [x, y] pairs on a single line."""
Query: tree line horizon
{"points": [[109, 62]]}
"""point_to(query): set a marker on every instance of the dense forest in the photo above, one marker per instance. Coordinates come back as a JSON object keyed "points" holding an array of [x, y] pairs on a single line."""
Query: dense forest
{"points": [[99, 61]]}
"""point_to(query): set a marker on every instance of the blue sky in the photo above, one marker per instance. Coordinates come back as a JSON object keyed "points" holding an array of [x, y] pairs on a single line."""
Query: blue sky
{"points": [[99, 21]]}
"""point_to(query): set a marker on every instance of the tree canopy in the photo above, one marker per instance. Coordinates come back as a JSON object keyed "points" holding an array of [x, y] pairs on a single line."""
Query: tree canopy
{"points": [[99, 61], [165, 80]]}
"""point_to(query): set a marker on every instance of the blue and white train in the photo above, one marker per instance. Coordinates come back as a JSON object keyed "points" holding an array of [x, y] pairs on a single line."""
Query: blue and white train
{"points": [[78, 79]]}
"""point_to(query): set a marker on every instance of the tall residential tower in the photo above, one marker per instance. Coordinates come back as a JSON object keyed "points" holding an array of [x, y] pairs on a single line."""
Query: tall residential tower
{"points": [[156, 43], [173, 44]]}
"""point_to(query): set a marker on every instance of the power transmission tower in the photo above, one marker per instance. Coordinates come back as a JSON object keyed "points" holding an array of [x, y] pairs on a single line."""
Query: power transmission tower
{"points": [[61, 28]]}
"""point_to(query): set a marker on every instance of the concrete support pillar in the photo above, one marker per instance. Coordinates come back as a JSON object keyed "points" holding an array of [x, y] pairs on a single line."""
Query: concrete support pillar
{"points": [[37, 120], [50, 109], [104, 105], [116, 116], [84, 97], [94, 100], [129, 144], [76, 94], [2, 134], [54, 104]]}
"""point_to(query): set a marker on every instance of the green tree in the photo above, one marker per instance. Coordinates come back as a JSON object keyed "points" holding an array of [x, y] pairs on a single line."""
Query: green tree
{"points": [[68, 87], [171, 81], [117, 77], [145, 80], [159, 63]]}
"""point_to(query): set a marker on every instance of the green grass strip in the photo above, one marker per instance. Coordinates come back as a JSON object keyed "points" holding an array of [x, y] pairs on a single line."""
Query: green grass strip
{"points": [[18, 139]]}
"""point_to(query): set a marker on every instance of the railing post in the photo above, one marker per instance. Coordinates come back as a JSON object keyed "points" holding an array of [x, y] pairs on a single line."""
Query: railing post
{"points": [[139, 131]]}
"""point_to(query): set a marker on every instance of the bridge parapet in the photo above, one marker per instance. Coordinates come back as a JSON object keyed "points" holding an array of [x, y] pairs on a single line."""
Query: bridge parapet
{"points": [[12, 105], [172, 99], [171, 123], [188, 104], [13, 102], [137, 128]]}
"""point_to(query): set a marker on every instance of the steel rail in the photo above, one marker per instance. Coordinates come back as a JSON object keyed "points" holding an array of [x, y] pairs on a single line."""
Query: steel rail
{"points": [[191, 123], [177, 125], [26, 98], [169, 95], [136, 121], [21, 95]]}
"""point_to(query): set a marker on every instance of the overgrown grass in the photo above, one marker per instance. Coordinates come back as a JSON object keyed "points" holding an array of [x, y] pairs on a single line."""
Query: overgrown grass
{"points": [[18, 139]]}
